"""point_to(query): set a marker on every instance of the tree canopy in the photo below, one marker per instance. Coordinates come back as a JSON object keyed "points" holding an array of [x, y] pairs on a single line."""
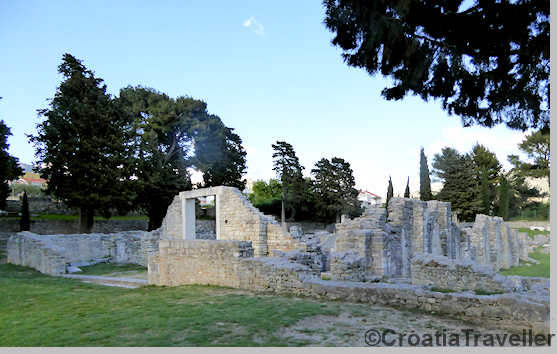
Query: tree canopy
{"points": [[81, 145], [536, 148], [460, 186], [9, 165], [333, 190], [487, 61], [289, 172]]}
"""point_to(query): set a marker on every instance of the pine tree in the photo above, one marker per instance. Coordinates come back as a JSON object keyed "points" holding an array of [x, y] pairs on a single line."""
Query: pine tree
{"points": [[460, 186], [407, 190], [82, 146], [289, 172], [487, 169], [333, 190], [25, 220], [485, 61], [425, 181]]}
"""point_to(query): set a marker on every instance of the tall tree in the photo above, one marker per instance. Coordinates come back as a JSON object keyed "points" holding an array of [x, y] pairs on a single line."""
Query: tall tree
{"points": [[425, 181], [460, 186], [486, 60], [164, 134], [25, 220], [81, 145], [333, 190], [389, 192], [487, 170], [9, 165], [289, 172], [407, 190], [504, 198], [219, 155], [536, 148]]}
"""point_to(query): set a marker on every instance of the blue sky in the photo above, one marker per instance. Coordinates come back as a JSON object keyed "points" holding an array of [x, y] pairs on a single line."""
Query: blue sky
{"points": [[266, 68]]}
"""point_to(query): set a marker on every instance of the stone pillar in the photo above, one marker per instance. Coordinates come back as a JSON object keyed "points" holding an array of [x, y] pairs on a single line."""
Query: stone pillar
{"points": [[506, 251], [188, 219]]}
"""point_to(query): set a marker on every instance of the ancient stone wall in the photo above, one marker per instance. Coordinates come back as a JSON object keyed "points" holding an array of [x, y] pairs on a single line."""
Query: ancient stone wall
{"points": [[51, 254], [456, 275], [50, 227], [495, 244], [230, 263], [236, 219], [225, 263]]}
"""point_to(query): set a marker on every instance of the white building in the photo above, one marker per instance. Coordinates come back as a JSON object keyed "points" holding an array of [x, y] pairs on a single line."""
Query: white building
{"points": [[368, 199]]}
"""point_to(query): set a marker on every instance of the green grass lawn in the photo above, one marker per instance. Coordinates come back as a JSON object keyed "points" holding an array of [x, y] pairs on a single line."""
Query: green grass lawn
{"points": [[532, 270], [533, 233], [107, 268], [38, 310]]}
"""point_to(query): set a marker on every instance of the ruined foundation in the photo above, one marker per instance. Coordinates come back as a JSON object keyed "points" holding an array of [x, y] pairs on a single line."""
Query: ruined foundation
{"points": [[395, 257]]}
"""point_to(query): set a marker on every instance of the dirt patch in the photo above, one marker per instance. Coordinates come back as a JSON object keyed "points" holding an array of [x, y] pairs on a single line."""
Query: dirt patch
{"points": [[350, 327]]}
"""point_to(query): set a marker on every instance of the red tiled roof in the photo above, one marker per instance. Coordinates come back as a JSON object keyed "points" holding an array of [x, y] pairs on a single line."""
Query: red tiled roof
{"points": [[367, 192]]}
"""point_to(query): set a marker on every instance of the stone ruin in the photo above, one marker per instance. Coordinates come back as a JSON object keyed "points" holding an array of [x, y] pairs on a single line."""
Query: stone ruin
{"points": [[395, 257]]}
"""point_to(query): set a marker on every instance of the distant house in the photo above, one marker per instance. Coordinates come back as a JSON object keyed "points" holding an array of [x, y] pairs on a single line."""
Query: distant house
{"points": [[33, 179], [368, 199]]}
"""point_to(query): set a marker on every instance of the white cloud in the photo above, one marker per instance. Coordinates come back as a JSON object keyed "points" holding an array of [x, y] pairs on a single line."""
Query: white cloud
{"points": [[500, 140], [257, 27]]}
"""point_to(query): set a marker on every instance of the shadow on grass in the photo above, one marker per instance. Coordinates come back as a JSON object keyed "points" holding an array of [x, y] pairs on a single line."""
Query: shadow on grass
{"points": [[39, 310]]}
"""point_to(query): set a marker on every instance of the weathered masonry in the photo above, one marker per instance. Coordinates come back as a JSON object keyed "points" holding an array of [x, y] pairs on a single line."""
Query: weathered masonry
{"points": [[236, 219], [396, 257]]}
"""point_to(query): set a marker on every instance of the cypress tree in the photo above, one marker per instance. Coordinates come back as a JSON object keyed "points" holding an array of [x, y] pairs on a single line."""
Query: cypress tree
{"points": [[425, 182], [504, 197], [25, 220], [407, 190], [389, 192]]}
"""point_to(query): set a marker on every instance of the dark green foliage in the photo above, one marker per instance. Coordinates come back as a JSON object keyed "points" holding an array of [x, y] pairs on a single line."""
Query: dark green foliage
{"points": [[487, 169], [504, 196], [536, 147], [169, 136], [389, 192], [333, 190], [9, 167], [425, 182], [25, 220], [289, 172], [460, 186], [267, 196], [161, 141], [407, 190], [220, 155], [81, 144], [487, 61]]}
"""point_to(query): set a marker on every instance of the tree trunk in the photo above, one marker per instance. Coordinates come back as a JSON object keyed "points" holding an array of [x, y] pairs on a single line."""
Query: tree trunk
{"points": [[86, 220]]}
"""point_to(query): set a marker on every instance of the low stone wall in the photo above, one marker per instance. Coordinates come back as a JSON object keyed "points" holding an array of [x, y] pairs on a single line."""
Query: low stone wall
{"points": [[50, 254], [230, 263], [50, 227], [224, 263], [510, 312], [442, 272]]}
